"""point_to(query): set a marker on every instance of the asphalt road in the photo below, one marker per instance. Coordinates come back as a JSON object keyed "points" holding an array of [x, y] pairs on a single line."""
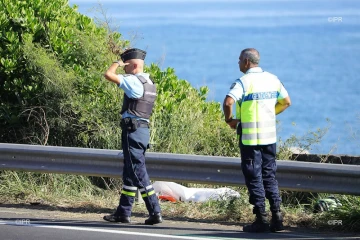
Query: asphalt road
{"points": [[17, 223]]}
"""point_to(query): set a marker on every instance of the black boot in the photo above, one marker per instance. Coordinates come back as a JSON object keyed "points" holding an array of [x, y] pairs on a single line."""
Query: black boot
{"points": [[260, 224], [276, 223], [116, 218], [154, 219]]}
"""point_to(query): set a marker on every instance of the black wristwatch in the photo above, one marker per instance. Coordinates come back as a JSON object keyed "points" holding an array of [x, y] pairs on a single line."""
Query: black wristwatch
{"points": [[229, 120], [118, 62]]}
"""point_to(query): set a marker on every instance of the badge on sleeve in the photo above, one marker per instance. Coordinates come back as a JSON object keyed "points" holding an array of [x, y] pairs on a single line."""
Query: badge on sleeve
{"points": [[233, 85]]}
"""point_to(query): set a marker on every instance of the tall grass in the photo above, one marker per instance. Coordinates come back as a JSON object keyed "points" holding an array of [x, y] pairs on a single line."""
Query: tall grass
{"points": [[348, 214], [51, 189]]}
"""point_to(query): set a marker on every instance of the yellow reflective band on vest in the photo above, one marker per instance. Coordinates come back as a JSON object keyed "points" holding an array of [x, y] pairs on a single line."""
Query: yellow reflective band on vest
{"points": [[265, 124], [148, 194], [257, 111], [131, 194]]}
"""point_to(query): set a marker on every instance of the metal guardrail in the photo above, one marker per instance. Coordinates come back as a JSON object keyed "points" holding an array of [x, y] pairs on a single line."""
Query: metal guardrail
{"points": [[291, 175]]}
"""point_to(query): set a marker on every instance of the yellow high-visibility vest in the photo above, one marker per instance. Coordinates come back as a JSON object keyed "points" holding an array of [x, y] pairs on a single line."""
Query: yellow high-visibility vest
{"points": [[256, 110]]}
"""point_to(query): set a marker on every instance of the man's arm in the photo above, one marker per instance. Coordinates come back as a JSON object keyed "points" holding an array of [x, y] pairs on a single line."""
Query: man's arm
{"points": [[282, 104], [111, 75], [227, 107]]}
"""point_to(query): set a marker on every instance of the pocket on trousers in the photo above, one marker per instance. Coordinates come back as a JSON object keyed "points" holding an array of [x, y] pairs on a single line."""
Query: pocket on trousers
{"points": [[247, 167]]}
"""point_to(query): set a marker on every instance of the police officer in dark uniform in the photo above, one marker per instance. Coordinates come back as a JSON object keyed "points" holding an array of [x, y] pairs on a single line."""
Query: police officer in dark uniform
{"points": [[139, 98], [260, 96]]}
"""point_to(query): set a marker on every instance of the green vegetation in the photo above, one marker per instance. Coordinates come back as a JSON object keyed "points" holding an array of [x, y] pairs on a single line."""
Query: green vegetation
{"points": [[52, 92], [52, 89], [348, 214], [303, 143], [355, 132]]}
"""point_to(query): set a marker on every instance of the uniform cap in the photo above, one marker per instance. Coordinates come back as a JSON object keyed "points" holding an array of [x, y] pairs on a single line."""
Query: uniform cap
{"points": [[133, 53]]}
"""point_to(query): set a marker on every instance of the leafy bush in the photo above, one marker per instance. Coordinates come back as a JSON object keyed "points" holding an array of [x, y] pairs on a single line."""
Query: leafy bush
{"points": [[53, 93], [52, 59]]}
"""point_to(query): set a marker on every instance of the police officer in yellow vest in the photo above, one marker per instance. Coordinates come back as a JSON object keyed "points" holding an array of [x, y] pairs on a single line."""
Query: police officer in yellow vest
{"points": [[259, 96]]}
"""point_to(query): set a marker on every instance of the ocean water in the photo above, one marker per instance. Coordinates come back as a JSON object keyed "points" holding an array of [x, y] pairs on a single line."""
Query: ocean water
{"points": [[312, 46]]}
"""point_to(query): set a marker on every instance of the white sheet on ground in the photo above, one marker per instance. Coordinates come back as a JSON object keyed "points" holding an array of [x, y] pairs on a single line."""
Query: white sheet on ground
{"points": [[182, 193]]}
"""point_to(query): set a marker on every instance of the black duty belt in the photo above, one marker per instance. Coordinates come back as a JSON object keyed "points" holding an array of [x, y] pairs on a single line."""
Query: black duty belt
{"points": [[132, 124]]}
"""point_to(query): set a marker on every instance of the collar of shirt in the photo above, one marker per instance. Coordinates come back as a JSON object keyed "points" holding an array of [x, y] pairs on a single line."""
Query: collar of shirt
{"points": [[254, 70], [143, 74]]}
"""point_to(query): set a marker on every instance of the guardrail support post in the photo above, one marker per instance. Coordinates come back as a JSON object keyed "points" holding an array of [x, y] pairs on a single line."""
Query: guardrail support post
{"points": [[138, 197]]}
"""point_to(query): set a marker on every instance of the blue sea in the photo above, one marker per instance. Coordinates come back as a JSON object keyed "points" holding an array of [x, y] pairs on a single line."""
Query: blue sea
{"points": [[313, 46]]}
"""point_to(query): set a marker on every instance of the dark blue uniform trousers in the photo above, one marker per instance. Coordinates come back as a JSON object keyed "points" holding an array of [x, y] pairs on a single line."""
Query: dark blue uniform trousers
{"points": [[259, 168], [135, 144]]}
